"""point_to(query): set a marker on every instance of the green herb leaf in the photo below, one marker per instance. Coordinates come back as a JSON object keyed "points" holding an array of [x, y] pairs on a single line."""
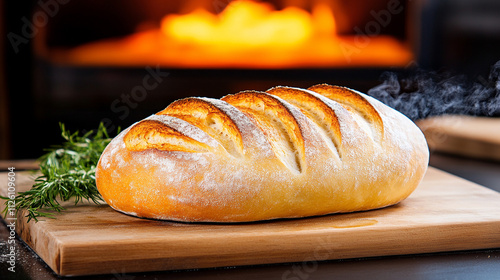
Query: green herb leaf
{"points": [[68, 172]]}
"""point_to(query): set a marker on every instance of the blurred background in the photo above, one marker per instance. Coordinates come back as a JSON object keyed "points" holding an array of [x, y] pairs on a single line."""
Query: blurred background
{"points": [[82, 62]]}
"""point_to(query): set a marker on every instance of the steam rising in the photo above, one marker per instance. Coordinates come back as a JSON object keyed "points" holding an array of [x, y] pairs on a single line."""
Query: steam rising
{"points": [[423, 94]]}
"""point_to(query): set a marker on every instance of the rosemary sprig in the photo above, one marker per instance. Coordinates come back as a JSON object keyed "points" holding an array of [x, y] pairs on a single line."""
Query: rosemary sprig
{"points": [[68, 171]]}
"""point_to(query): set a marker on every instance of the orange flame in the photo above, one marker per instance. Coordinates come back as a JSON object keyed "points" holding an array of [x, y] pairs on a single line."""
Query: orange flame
{"points": [[242, 24], [246, 34]]}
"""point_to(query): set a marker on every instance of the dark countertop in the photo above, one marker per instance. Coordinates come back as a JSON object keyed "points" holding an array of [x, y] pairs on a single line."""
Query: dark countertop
{"points": [[476, 264]]}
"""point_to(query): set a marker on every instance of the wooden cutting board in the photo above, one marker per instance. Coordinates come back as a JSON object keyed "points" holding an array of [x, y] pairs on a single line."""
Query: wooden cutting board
{"points": [[477, 137], [445, 213]]}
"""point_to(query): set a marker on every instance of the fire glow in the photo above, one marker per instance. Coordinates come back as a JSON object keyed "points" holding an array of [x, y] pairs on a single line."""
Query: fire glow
{"points": [[245, 34]]}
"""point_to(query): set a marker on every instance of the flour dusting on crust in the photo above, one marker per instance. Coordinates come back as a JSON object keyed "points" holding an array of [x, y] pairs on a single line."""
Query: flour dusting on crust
{"points": [[373, 171]]}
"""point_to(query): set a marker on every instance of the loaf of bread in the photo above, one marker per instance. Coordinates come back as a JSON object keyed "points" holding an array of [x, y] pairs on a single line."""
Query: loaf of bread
{"points": [[283, 153]]}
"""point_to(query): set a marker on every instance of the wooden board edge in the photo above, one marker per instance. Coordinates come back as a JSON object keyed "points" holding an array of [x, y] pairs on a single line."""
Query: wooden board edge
{"points": [[62, 268], [445, 134], [23, 181], [19, 164], [458, 125], [40, 241], [458, 145], [311, 247]]}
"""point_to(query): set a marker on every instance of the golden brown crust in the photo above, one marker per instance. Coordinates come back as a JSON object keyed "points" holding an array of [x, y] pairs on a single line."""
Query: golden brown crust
{"points": [[315, 108], [272, 116], [155, 135], [352, 99], [251, 156], [210, 119]]}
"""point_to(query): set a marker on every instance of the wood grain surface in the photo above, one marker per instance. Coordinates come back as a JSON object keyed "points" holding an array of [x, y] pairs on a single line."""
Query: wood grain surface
{"points": [[445, 213], [476, 137]]}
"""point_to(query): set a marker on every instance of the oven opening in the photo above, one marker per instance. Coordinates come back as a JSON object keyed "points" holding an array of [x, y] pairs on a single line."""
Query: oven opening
{"points": [[245, 34]]}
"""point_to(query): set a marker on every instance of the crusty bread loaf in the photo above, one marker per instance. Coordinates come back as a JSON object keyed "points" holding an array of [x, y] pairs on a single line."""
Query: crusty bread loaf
{"points": [[284, 153]]}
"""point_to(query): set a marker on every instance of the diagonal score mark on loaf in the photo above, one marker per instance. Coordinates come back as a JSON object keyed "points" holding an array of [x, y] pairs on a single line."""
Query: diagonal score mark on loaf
{"points": [[277, 122], [316, 109], [201, 113], [357, 104], [153, 134]]}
